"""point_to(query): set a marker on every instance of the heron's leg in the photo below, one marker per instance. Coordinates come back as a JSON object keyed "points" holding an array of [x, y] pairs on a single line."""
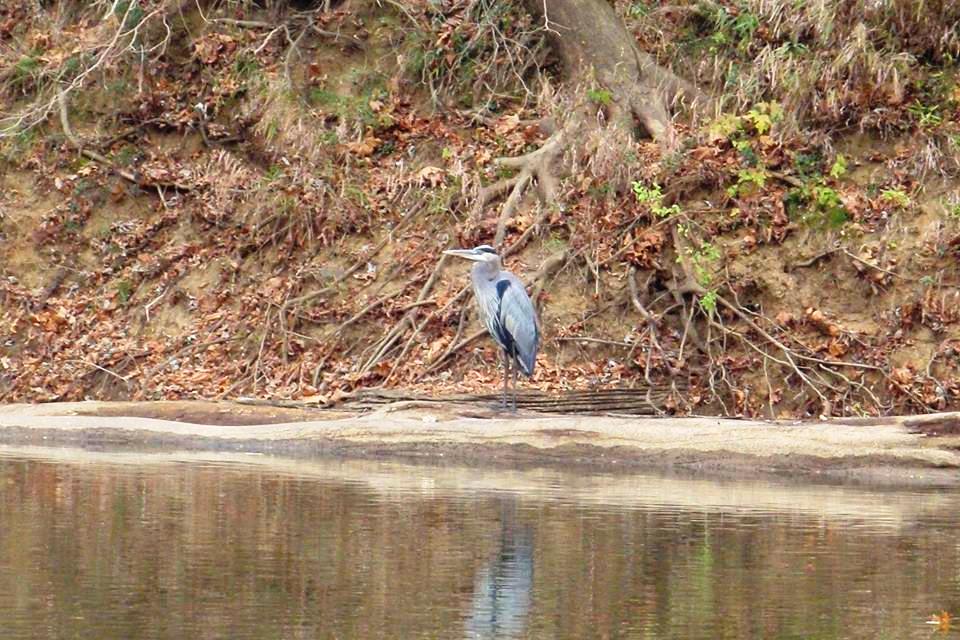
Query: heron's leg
{"points": [[506, 375], [514, 381]]}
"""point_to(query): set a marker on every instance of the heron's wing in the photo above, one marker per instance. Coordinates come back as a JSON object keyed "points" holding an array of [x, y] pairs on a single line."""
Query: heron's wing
{"points": [[517, 321]]}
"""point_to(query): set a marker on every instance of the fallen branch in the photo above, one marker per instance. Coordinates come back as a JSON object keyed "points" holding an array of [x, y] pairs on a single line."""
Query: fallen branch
{"points": [[389, 340], [640, 401], [100, 158], [123, 379]]}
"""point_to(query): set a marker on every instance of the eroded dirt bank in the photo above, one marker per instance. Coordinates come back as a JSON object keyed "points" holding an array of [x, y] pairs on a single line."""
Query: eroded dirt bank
{"points": [[245, 214], [924, 449]]}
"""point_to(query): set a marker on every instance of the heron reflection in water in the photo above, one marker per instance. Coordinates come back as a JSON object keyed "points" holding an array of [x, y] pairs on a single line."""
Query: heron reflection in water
{"points": [[503, 589]]}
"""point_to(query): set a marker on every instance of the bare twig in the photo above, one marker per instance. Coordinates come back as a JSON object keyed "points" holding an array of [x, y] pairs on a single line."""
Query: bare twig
{"points": [[39, 111], [877, 267], [98, 157], [123, 379], [294, 49], [409, 216], [612, 343]]}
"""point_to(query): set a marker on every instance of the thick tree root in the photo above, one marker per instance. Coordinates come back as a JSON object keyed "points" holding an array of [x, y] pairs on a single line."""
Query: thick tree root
{"points": [[534, 167]]}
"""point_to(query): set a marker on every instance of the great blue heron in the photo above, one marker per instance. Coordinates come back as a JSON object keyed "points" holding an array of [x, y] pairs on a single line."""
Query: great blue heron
{"points": [[506, 311]]}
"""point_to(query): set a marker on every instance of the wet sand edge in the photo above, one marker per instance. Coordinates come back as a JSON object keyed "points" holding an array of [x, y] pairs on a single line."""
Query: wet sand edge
{"points": [[899, 450]]}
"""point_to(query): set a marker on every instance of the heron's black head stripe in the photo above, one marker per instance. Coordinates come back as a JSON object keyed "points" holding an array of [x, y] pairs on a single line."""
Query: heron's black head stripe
{"points": [[485, 248]]}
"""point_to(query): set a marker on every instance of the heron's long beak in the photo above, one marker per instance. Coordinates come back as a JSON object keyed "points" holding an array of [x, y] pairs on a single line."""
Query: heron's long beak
{"points": [[469, 254]]}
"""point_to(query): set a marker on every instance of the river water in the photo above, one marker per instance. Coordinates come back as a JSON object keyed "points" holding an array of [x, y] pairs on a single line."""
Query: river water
{"points": [[166, 545]]}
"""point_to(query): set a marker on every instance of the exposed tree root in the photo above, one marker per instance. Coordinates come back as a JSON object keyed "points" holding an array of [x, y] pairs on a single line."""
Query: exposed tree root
{"points": [[597, 52], [648, 318], [535, 165], [808, 368]]}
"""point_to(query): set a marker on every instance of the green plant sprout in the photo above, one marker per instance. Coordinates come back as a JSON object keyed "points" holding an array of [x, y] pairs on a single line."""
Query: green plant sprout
{"points": [[708, 301], [702, 261], [764, 115], [653, 196], [600, 96], [748, 181], [896, 196], [953, 209], [839, 167]]}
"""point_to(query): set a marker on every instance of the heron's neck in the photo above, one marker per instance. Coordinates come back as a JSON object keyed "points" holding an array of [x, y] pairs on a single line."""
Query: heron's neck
{"points": [[487, 270]]}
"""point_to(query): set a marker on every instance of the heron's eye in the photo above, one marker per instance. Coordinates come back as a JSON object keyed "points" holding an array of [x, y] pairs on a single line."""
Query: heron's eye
{"points": [[485, 248]]}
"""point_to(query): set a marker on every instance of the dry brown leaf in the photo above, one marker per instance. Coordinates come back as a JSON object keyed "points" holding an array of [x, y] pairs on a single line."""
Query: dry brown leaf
{"points": [[366, 147], [507, 124], [433, 176]]}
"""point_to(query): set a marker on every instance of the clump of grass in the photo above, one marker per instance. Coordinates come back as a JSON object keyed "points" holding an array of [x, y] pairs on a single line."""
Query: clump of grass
{"points": [[286, 124], [14, 148], [26, 72], [124, 289], [817, 205], [356, 112], [283, 203]]}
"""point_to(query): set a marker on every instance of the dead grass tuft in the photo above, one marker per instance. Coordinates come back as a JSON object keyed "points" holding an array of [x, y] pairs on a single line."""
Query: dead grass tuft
{"points": [[288, 128], [475, 53]]}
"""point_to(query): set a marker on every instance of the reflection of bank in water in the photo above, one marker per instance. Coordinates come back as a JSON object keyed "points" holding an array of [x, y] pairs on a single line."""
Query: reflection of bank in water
{"points": [[853, 503], [503, 589]]}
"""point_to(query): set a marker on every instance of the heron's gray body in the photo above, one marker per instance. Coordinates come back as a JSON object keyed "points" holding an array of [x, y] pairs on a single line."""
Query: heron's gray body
{"points": [[507, 313]]}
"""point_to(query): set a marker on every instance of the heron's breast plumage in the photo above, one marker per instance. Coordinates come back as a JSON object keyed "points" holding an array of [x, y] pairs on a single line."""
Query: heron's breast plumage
{"points": [[509, 315]]}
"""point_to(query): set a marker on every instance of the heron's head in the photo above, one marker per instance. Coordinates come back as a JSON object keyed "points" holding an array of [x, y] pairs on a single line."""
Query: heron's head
{"points": [[483, 253]]}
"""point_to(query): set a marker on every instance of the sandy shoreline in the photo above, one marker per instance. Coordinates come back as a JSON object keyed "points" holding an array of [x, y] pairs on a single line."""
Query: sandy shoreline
{"points": [[920, 449]]}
